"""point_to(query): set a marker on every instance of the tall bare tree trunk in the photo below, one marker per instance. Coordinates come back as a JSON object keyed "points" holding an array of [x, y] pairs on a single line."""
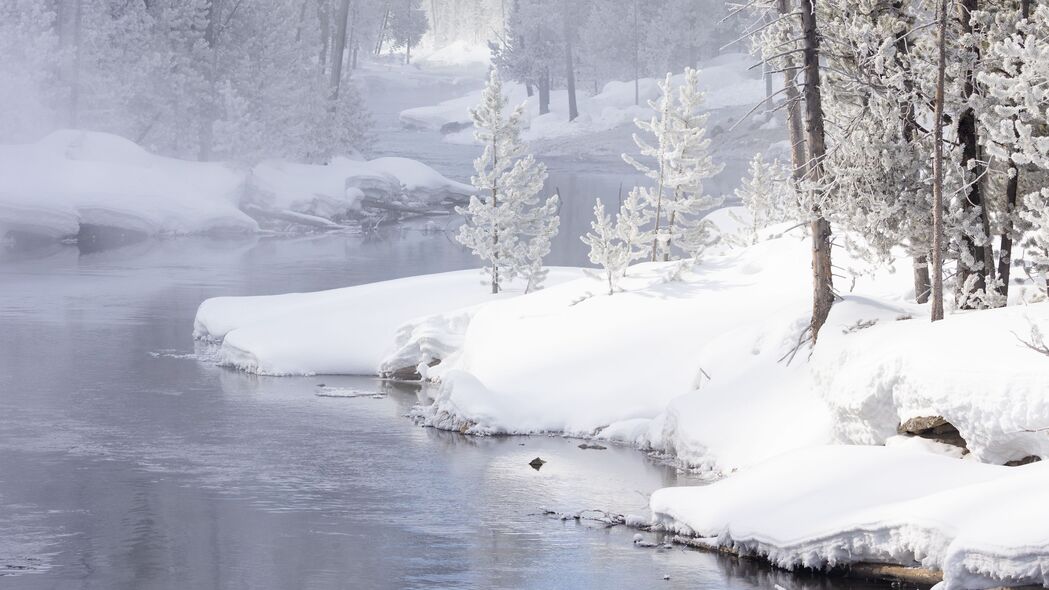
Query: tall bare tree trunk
{"points": [[573, 109], [338, 48], [795, 122], [822, 279], [1005, 254], [205, 132], [972, 264], [544, 92], [937, 170], [382, 32], [408, 41], [325, 23], [637, 56]]}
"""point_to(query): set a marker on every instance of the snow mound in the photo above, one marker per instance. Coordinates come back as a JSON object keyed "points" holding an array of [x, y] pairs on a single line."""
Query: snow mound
{"points": [[832, 505], [875, 379], [341, 331], [74, 178]]}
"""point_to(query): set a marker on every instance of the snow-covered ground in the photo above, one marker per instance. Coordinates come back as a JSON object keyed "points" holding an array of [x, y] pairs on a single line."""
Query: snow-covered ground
{"points": [[983, 526], [342, 331], [70, 179], [703, 365]]}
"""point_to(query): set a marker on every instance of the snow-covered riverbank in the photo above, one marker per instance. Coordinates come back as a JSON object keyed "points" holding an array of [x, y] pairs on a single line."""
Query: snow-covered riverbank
{"points": [[703, 365], [71, 179]]}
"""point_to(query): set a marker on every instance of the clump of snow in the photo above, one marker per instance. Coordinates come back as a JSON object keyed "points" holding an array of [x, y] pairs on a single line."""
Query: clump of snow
{"points": [[74, 178], [342, 331], [877, 378], [831, 505]]}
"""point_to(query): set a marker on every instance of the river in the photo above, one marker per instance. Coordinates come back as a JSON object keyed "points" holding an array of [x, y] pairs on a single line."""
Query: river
{"points": [[128, 461]]}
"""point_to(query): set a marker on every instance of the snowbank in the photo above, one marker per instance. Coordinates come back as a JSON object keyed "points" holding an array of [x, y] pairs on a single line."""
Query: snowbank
{"points": [[74, 178], [693, 365], [971, 369], [833, 505], [725, 80], [341, 331], [338, 189]]}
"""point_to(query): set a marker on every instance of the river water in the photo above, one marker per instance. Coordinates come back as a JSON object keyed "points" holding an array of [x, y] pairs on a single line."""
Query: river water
{"points": [[127, 461]]}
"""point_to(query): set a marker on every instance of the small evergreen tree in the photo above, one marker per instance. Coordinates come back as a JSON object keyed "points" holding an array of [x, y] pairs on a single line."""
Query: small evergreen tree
{"points": [[505, 226], [610, 244]]}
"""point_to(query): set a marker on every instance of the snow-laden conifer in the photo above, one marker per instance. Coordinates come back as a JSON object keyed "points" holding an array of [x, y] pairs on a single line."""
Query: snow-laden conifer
{"points": [[504, 224], [679, 151]]}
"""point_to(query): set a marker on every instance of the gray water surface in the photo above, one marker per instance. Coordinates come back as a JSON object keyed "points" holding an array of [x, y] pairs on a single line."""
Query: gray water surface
{"points": [[128, 462]]}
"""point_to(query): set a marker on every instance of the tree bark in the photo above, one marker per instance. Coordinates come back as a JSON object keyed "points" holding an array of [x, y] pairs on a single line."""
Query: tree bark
{"points": [[1005, 253], [937, 169], [922, 279], [408, 41], [967, 136], [544, 92], [338, 48], [573, 110], [822, 279], [205, 133], [795, 123], [637, 56]]}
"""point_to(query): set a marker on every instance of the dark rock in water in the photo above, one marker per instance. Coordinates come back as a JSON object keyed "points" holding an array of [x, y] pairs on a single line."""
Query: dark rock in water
{"points": [[409, 373], [536, 463], [454, 127], [1025, 461], [595, 447], [934, 428]]}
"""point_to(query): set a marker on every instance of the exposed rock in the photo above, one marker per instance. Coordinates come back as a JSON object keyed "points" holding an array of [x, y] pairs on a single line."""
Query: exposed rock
{"points": [[1026, 460], [595, 447], [536, 463], [933, 428]]}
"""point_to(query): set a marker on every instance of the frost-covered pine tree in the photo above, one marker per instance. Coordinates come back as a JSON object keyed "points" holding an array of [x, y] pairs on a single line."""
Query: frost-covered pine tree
{"points": [[610, 244], [769, 196], [682, 161], [504, 224]]}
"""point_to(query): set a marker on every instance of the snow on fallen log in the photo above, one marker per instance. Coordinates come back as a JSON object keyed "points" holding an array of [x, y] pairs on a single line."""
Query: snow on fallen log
{"points": [[982, 525]]}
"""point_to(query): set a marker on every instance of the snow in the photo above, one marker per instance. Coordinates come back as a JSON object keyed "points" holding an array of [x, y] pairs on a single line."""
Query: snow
{"points": [[341, 331], [725, 80], [881, 376], [458, 53], [72, 178], [831, 505]]}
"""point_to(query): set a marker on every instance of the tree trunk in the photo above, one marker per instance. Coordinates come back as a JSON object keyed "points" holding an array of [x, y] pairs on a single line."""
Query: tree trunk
{"points": [[1005, 254], [922, 283], [937, 170], [408, 41], [967, 136], [573, 110], [637, 57], [205, 133], [795, 123], [325, 24], [382, 32], [822, 279], [544, 92], [338, 48]]}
